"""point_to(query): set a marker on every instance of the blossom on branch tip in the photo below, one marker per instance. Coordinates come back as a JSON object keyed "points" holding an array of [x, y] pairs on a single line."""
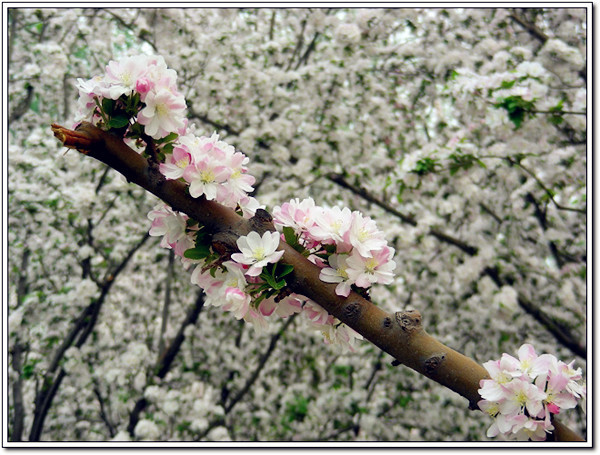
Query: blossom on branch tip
{"points": [[163, 113]]}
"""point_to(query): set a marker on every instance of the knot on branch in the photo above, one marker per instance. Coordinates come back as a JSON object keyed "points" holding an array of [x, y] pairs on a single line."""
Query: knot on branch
{"points": [[224, 243], [352, 311], [261, 222], [409, 321], [387, 322], [433, 362]]}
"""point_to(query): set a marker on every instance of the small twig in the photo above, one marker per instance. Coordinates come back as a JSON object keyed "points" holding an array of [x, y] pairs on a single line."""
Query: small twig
{"points": [[547, 191], [167, 301]]}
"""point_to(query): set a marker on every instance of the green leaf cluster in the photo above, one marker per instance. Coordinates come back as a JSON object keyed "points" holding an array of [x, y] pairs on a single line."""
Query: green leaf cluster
{"points": [[517, 108], [425, 166], [464, 161]]}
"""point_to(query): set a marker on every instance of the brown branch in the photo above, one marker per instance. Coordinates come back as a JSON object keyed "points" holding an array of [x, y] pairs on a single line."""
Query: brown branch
{"points": [[561, 333], [442, 236], [400, 334]]}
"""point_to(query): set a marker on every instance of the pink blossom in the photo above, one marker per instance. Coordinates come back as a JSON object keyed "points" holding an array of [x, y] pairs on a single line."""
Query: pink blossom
{"points": [[297, 214], [337, 273], [377, 268], [163, 113], [171, 225], [520, 395], [332, 224], [122, 76], [236, 301], [315, 313], [205, 177], [364, 236], [284, 308], [176, 163], [143, 86]]}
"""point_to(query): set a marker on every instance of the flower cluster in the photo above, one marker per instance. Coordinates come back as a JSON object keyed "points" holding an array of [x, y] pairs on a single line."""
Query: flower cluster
{"points": [[348, 246], [213, 169], [141, 86], [523, 393], [138, 98]]}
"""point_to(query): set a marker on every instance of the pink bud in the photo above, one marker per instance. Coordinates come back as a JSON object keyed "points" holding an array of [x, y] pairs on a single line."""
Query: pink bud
{"points": [[143, 86]]}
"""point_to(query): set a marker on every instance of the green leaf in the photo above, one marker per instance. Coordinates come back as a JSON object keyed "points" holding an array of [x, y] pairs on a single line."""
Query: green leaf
{"points": [[508, 84], [118, 122], [170, 137], [287, 269], [108, 106], [516, 107], [290, 236], [197, 253], [269, 279]]}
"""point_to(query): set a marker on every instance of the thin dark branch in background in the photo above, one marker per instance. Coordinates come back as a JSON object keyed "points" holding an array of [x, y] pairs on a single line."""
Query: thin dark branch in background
{"points": [[531, 28], [23, 105], [539, 35], [263, 361], [84, 324], [272, 25], [103, 415], [299, 44], [143, 36], [251, 379], [341, 181], [546, 190], [167, 301], [311, 47], [168, 356], [17, 386], [541, 217], [560, 332]]}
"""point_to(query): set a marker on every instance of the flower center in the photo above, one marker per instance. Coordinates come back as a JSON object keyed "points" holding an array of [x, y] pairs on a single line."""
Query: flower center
{"points": [[182, 163], [363, 235], [371, 265], [521, 398], [342, 272], [126, 78], [207, 176], [161, 110], [259, 254]]}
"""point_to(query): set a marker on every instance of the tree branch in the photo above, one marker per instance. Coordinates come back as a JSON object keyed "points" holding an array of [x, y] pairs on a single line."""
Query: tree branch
{"points": [[562, 334], [262, 362], [167, 301], [167, 357], [19, 409], [85, 324], [400, 334]]}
